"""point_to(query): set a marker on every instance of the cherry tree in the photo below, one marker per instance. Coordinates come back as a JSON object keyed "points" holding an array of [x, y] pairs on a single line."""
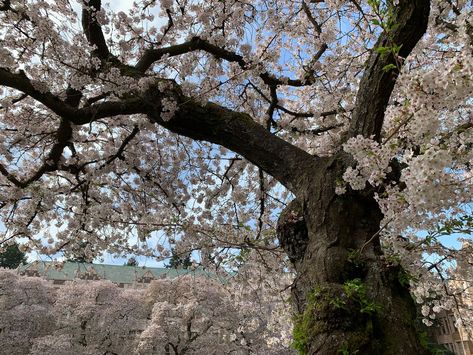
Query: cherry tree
{"points": [[200, 315], [26, 306], [183, 315], [189, 125], [94, 317]]}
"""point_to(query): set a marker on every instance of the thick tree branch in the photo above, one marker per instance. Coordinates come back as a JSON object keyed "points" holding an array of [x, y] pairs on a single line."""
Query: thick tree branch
{"points": [[316, 131], [238, 132], [16, 100], [213, 123], [67, 109], [5, 5], [377, 83], [210, 122], [97, 111], [93, 30], [21, 82], [153, 55]]}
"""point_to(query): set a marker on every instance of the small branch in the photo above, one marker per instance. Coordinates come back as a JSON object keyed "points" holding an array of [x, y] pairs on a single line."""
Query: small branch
{"points": [[375, 235], [168, 28], [316, 131], [311, 18], [273, 103], [262, 203], [63, 135], [294, 113], [15, 100], [396, 130], [121, 149]]}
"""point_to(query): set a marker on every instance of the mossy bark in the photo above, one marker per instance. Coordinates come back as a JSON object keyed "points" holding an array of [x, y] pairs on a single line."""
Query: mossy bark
{"points": [[344, 304]]}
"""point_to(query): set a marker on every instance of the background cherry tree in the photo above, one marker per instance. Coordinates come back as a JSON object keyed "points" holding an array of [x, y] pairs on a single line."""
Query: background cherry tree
{"points": [[114, 122], [185, 315]]}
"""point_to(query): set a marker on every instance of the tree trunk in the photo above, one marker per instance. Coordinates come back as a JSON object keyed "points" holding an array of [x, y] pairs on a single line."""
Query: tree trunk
{"points": [[348, 298]]}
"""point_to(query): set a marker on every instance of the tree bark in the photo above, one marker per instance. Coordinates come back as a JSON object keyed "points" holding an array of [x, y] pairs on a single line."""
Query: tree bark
{"points": [[348, 298]]}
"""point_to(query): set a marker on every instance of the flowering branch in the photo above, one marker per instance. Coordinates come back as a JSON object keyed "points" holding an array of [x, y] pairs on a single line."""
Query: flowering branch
{"points": [[377, 84]]}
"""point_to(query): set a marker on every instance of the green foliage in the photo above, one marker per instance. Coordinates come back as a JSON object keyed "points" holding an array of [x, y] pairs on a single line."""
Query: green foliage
{"points": [[383, 50], [389, 67], [303, 324], [178, 262], [355, 257], [393, 259], [356, 290], [375, 4], [12, 257], [423, 339], [405, 278], [354, 287], [131, 262], [385, 19], [337, 302], [300, 335], [462, 224], [346, 351]]}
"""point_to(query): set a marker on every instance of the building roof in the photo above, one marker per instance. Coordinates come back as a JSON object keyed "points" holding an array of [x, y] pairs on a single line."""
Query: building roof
{"points": [[69, 271]]}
